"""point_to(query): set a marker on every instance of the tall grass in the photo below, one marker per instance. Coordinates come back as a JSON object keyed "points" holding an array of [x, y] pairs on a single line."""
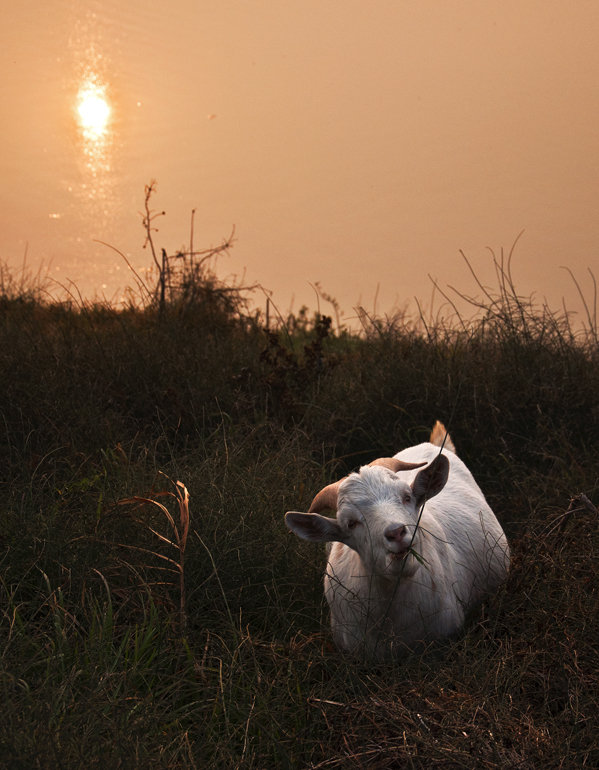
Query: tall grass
{"points": [[146, 623]]}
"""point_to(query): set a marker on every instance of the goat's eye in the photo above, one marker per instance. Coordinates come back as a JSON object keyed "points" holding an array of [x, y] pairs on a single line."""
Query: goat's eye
{"points": [[352, 523], [407, 498]]}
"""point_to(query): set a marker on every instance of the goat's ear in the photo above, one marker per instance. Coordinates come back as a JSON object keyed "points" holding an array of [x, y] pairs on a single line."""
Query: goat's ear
{"points": [[313, 527], [431, 480]]}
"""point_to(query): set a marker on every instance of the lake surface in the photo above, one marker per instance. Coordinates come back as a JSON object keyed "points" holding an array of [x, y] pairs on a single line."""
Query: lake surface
{"points": [[351, 144]]}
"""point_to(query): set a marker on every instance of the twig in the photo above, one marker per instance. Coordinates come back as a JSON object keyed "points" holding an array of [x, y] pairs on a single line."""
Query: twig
{"points": [[140, 282]]}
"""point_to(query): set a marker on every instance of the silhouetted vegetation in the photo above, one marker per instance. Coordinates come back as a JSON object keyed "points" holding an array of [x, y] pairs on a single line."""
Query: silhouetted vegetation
{"points": [[127, 641]]}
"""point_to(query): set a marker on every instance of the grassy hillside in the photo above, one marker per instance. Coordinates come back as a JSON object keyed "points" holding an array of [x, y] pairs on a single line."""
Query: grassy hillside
{"points": [[126, 642]]}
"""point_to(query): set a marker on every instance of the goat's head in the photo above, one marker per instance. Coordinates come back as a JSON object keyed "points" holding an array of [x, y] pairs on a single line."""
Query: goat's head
{"points": [[376, 513]]}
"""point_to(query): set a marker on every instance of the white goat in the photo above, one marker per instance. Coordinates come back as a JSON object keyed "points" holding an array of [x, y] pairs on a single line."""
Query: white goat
{"points": [[412, 550]]}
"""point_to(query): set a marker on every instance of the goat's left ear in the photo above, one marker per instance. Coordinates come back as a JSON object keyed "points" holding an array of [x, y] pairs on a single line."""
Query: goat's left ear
{"points": [[431, 480]]}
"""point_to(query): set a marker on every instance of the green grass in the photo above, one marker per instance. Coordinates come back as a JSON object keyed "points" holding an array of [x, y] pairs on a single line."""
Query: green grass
{"points": [[108, 659]]}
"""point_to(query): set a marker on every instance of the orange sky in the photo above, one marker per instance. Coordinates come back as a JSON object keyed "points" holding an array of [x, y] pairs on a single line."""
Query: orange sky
{"points": [[359, 145]]}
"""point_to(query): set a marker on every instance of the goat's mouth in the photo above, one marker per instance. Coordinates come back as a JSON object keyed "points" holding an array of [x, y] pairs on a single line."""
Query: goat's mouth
{"points": [[398, 563], [395, 556]]}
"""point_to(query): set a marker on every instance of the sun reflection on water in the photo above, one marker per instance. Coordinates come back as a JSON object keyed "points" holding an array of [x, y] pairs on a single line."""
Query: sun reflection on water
{"points": [[93, 110], [94, 117]]}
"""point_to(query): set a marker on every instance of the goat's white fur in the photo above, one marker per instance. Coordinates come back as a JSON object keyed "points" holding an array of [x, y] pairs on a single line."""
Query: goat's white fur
{"points": [[396, 577]]}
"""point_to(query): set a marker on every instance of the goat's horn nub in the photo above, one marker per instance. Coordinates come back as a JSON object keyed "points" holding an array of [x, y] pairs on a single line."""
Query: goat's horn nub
{"points": [[396, 465], [326, 498]]}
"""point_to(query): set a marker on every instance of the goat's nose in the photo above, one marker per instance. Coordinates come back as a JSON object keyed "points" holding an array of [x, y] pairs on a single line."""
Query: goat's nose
{"points": [[395, 531]]}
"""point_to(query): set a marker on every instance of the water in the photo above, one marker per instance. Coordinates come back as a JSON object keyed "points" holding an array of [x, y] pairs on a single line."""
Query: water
{"points": [[67, 185], [353, 145]]}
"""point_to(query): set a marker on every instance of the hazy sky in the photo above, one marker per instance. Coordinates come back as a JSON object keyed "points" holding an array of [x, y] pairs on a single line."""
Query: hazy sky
{"points": [[355, 144]]}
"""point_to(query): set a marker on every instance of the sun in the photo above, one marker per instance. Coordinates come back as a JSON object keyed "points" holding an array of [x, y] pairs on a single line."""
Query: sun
{"points": [[93, 109]]}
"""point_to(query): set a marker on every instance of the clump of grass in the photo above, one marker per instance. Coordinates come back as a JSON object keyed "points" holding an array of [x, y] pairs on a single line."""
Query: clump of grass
{"points": [[23, 286], [175, 538], [99, 402], [187, 278]]}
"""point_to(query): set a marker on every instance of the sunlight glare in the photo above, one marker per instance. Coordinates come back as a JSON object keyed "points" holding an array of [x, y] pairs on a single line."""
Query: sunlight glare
{"points": [[93, 109]]}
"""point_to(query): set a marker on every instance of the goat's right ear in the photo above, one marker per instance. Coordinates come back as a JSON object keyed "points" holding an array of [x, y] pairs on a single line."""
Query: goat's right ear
{"points": [[314, 527], [431, 480]]}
